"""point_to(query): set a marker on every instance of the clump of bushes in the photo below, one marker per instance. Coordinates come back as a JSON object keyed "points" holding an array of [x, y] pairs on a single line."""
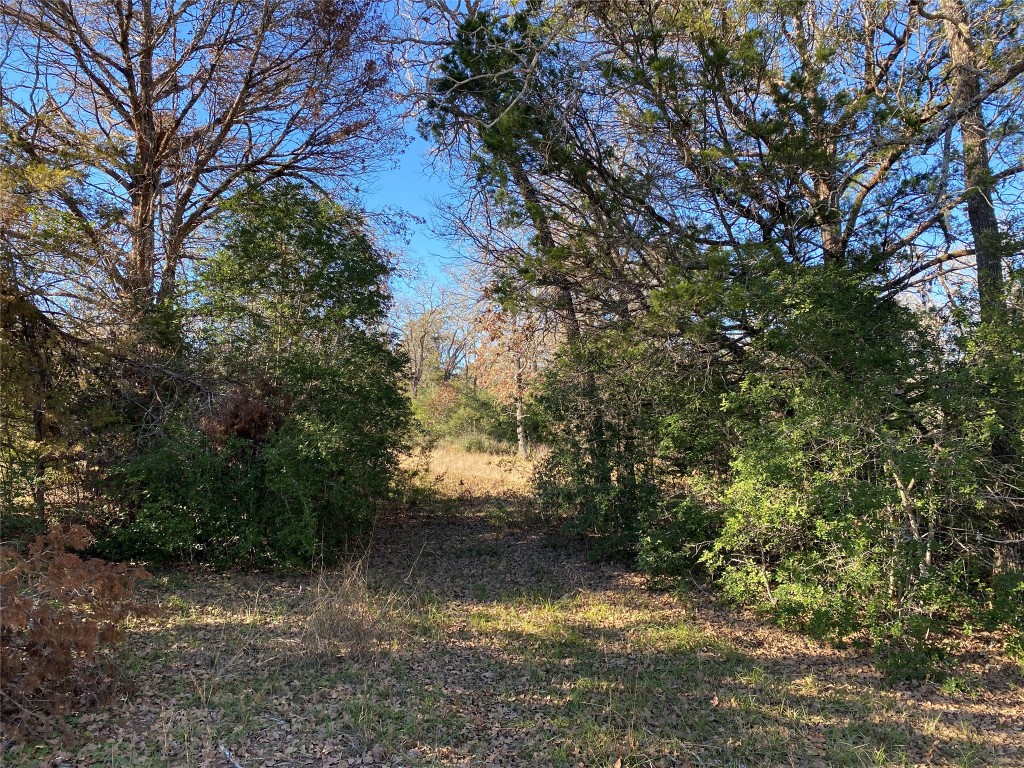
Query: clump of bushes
{"points": [[463, 415], [293, 445], [60, 616], [848, 477]]}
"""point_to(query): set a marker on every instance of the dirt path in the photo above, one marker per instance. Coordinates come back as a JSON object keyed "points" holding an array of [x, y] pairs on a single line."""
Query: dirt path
{"points": [[468, 636]]}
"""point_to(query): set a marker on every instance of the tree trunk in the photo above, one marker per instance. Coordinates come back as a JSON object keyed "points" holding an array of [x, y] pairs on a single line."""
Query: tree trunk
{"points": [[594, 420], [978, 179], [520, 415], [142, 275], [145, 171], [828, 215], [39, 470]]}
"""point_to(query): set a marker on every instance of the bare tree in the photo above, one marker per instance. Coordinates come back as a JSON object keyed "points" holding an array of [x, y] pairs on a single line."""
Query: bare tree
{"points": [[436, 327], [515, 347], [167, 106]]}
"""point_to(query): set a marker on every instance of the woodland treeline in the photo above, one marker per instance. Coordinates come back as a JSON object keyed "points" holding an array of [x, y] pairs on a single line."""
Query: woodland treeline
{"points": [[781, 242], [748, 270]]}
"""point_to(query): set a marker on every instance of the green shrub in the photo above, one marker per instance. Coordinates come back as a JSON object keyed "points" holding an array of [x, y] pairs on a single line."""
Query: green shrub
{"points": [[600, 474], [674, 534], [843, 478], [458, 412], [298, 451]]}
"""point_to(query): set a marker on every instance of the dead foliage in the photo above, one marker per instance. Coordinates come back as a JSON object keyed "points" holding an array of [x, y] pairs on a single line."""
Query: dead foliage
{"points": [[250, 412], [59, 615]]}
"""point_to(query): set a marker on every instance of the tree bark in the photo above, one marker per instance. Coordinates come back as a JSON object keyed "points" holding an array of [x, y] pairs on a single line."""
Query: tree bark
{"points": [[520, 415], [978, 178]]}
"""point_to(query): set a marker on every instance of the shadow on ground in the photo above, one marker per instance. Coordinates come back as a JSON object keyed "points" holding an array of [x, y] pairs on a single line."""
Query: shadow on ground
{"points": [[472, 637]]}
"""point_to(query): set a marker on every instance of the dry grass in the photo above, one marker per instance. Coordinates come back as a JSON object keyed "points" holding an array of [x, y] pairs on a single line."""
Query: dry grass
{"points": [[344, 617], [459, 473]]}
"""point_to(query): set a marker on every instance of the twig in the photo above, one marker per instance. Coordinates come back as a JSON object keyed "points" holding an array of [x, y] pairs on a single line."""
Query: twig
{"points": [[231, 758], [408, 576]]}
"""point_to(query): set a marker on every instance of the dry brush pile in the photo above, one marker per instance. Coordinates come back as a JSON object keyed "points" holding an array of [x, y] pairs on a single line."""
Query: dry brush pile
{"points": [[60, 616]]}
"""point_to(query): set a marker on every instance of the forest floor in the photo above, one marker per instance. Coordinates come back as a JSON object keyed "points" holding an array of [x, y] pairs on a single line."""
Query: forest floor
{"points": [[468, 634]]}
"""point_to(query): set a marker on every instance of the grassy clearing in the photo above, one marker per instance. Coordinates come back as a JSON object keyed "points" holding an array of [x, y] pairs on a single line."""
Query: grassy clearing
{"points": [[481, 476], [469, 639]]}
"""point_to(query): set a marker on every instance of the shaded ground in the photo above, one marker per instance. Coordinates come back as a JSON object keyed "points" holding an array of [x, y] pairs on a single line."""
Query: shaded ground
{"points": [[467, 637]]}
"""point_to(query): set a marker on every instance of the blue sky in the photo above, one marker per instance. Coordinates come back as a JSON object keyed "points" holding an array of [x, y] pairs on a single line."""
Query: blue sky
{"points": [[411, 186]]}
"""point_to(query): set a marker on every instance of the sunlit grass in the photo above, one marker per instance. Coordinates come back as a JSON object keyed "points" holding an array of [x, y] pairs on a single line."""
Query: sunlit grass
{"points": [[462, 473]]}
